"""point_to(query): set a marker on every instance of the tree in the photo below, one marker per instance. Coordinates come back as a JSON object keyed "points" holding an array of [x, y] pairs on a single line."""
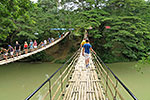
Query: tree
{"points": [[15, 19]]}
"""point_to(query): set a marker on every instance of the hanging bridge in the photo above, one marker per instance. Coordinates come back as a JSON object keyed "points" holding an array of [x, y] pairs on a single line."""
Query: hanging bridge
{"points": [[73, 81], [2, 62]]}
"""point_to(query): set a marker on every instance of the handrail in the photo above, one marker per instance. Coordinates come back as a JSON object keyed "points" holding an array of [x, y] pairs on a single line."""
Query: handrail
{"points": [[54, 84], [131, 94], [30, 96], [57, 90], [108, 77]]}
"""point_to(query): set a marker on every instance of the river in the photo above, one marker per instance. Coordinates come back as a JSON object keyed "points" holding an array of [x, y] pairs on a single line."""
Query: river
{"points": [[18, 80], [137, 82]]}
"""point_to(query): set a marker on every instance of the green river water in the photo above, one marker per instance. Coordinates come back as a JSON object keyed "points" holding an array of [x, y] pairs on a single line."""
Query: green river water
{"points": [[18, 80]]}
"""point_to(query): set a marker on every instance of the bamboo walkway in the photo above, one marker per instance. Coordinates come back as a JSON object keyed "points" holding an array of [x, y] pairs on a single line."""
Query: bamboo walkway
{"points": [[84, 83], [2, 62]]}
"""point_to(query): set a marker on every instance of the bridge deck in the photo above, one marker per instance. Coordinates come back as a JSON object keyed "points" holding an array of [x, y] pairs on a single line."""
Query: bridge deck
{"points": [[84, 83], [34, 52]]}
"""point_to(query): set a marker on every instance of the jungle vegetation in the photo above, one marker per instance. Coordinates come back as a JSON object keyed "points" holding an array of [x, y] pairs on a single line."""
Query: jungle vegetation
{"points": [[128, 38]]}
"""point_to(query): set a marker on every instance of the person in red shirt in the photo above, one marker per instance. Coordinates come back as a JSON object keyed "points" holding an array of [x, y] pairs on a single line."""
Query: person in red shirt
{"points": [[61, 35], [26, 47]]}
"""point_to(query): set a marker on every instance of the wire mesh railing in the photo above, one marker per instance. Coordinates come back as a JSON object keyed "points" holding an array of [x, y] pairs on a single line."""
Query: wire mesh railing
{"points": [[54, 87]]}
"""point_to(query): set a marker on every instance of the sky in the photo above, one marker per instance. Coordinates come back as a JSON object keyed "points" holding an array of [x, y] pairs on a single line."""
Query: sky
{"points": [[34, 0], [60, 0], [37, 0]]}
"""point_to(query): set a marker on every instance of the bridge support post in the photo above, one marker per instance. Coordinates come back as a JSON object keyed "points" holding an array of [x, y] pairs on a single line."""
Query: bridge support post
{"points": [[61, 84], [116, 90], [50, 94], [106, 83]]}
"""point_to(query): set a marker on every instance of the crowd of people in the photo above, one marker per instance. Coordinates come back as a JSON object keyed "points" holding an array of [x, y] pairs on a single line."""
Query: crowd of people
{"points": [[16, 50]]}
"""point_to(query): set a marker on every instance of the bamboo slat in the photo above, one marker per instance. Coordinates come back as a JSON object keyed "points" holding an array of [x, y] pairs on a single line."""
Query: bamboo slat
{"points": [[85, 84]]}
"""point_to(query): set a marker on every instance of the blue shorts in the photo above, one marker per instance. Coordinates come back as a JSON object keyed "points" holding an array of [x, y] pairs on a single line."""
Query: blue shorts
{"points": [[31, 47], [18, 51]]}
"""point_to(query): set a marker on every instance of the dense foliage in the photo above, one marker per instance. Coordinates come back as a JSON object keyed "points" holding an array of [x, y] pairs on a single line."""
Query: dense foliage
{"points": [[15, 20], [128, 38]]}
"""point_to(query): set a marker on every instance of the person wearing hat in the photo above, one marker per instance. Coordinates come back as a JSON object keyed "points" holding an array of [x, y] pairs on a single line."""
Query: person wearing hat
{"points": [[11, 50], [86, 51]]}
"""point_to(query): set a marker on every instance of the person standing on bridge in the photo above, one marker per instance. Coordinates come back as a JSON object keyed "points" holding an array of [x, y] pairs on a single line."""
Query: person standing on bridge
{"points": [[49, 39], [86, 51], [52, 39], [31, 45], [83, 42], [11, 50], [35, 45], [26, 47], [45, 42], [5, 53], [17, 48], [41, 45]]}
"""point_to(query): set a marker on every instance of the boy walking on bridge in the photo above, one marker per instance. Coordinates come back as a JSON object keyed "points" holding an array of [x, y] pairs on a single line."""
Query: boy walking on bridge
{"points": [[86, 51]]}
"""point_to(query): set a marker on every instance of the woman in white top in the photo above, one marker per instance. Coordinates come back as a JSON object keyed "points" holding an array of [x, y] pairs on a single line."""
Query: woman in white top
{"points": [[45, 42]]}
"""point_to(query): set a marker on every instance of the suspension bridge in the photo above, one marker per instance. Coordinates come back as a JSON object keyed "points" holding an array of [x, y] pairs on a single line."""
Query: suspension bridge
{"points": [[2, 62], [73, 81]]}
